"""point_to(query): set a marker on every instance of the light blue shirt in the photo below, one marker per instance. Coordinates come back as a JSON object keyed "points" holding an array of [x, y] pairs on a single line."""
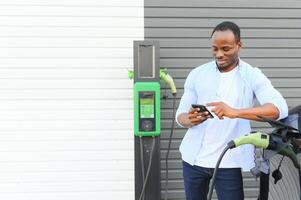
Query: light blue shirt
{"points": [[201, 87]]}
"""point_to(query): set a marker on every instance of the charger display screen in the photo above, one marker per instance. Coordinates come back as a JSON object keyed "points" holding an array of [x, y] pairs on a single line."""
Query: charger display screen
{"points": [[147, 105]]}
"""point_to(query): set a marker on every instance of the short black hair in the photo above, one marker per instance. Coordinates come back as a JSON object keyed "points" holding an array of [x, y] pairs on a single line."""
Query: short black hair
{"points": [[227, 25]]}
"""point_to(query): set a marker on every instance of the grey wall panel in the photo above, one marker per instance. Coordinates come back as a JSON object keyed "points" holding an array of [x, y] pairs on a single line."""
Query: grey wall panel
{"points": [[271, 36], [246, 23], [194, 30], [267, 4], [215, 12]]}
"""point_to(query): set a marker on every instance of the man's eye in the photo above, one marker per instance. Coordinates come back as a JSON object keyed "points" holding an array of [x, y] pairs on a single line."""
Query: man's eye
{"points": [[226, 49]]}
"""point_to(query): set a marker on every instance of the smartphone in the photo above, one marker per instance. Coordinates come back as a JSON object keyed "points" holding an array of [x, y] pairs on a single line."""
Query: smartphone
{"points": [[202, 109]]}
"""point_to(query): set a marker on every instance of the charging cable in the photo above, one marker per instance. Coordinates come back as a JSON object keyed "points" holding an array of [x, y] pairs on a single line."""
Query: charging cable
{"points": [[216, 168], [148, 168], [142, 161], [169, 143]]}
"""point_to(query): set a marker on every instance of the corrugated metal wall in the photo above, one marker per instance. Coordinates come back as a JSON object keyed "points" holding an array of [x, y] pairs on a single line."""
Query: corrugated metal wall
{"points": [[271, 36], [66, 104]]}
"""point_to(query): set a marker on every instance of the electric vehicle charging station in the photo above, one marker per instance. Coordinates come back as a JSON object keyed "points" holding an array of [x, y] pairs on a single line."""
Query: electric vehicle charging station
{"points": [[147, 75], [147, 119]]}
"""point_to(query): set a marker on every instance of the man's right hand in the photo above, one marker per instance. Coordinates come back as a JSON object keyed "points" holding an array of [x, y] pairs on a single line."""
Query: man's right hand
{"points": [[196, 117], [192, 118]]}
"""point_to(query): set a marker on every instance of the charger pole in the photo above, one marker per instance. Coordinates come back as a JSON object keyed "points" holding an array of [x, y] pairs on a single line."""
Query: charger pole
{"points": [[147, 117]]}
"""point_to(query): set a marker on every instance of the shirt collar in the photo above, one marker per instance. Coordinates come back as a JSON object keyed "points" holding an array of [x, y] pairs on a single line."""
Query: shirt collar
{"points": [[238, 66]]}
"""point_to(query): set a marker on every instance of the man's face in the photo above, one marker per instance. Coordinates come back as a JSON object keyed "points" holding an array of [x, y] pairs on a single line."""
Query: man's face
{"points": [[225, 49]]}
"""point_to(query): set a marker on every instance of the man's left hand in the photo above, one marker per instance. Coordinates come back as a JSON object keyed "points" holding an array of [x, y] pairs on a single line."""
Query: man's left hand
{"points": [[222, 110]]}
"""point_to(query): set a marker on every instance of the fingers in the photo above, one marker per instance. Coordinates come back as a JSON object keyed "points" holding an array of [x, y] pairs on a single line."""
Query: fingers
{"points": [[193, 110], [197, 120], [196, 117], [219, 111]]}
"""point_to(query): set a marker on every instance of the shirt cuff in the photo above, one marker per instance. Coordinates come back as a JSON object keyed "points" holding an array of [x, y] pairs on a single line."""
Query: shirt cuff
{"points": [[282, 108]]}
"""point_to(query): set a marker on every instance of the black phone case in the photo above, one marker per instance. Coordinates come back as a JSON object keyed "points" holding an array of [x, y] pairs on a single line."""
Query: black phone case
{"points": [[202, 109]]}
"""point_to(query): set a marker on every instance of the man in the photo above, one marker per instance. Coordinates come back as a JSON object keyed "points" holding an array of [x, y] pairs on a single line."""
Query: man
{"points": [[228, 86]]}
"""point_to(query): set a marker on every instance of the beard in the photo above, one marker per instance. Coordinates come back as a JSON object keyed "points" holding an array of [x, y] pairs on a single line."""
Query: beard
{"points": [[227, 65]]}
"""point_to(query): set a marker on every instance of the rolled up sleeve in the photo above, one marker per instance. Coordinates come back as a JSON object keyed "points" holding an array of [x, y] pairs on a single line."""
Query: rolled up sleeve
{"points": [[266, 93]]}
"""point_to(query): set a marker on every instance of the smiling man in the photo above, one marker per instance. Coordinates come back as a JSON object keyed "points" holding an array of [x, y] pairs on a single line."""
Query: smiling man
{"points": [[228, 87]]}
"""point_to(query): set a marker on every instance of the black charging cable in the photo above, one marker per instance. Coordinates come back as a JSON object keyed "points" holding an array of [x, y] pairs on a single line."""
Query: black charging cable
{"points": [[142, 161], [229, 146], [299, 173], [148, 168], [169, 144]]}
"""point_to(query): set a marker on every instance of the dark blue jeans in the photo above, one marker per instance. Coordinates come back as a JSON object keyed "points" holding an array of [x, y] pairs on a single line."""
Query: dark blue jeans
{"points": [[228, 182]]}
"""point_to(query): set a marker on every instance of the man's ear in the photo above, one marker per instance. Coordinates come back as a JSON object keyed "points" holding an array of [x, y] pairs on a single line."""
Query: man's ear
{"points": [[239, 44]]}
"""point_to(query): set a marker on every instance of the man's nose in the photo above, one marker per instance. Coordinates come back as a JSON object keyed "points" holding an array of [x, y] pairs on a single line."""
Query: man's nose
{"points": [[219, 54]]}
